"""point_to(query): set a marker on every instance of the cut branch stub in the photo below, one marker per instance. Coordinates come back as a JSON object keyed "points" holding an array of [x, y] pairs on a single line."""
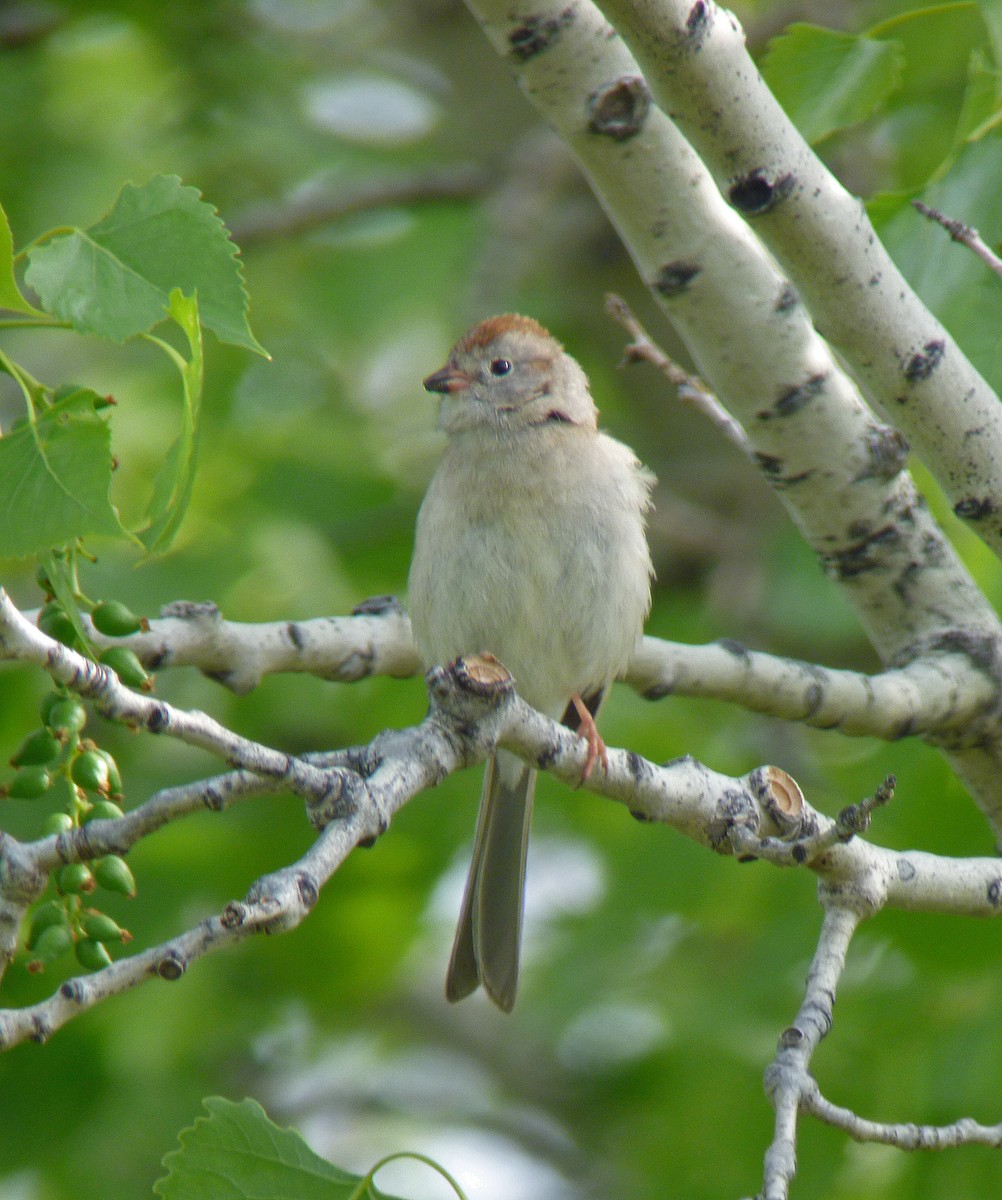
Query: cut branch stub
{"points": [[781, 799]]}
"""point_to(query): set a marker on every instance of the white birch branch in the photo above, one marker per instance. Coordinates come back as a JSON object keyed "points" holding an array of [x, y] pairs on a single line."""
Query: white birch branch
{"points": [[374, 640], [474, 708], [930, 695], [788, 1076], [793, 1090], [695, 62], [942, 692]]}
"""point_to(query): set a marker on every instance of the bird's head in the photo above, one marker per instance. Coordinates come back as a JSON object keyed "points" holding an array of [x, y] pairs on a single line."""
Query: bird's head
{"points": [[508, 372]]}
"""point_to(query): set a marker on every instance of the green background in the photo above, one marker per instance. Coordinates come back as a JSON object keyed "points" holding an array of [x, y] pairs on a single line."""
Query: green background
{"points": [[657, 976]]}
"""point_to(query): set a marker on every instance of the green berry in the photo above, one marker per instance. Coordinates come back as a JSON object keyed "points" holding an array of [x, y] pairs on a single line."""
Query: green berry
{"points": [[68, 714], [101, 928], [56, 823], [90, 772], [76, 878], [114, 774], [52, 943], [29, 783], [92, 955], [55, 621], [115, 620], [126, 666], [37, 749], [113, 874], [51, 913], [104, 810]]}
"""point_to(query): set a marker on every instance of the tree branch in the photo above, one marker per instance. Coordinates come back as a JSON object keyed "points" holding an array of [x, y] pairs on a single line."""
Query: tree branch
{"points": [[948, 689], [691, 389], [695, 62], [788, 1076], [352, 795], [967, 235], [905, 1136], [932, 695]]}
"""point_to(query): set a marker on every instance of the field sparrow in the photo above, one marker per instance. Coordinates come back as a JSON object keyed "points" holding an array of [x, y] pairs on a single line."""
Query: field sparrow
{"points": [[530, 545]]}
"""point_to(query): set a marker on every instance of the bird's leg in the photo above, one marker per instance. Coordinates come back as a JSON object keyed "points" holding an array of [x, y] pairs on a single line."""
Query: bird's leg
{"points": [[589, 731]]}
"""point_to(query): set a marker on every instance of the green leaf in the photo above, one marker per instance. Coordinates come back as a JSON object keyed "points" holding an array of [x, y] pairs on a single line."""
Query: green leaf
{"points": [[925, 113], [10, 293], [991, 14], [176, 477], [55, 477], [981, 112], [61, 571], [115, 278], [237, 1153], [827, 80]]}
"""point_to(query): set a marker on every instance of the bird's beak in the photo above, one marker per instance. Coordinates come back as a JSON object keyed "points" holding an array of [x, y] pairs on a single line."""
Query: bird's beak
{"points": [[448, 379]]}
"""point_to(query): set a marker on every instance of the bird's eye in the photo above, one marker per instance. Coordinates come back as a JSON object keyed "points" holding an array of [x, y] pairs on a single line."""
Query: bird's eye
{"points": [[500, 366]]}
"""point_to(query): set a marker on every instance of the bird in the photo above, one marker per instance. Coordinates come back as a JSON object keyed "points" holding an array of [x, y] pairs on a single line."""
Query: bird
{"points": [[530, 545]]}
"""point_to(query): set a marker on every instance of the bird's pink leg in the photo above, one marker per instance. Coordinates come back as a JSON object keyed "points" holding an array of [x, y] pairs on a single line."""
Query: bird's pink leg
{"points": [[589, 731]]}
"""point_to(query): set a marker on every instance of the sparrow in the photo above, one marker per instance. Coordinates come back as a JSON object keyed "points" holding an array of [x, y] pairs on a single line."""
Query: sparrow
{"points": [[530, 545]]}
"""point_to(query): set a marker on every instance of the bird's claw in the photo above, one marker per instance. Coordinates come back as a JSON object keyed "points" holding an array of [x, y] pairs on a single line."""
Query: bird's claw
{"points": [[588, 730]]}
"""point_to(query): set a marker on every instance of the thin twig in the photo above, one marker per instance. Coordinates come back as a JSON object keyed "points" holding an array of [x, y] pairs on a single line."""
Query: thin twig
{"points": [[967, 235], [904, 1135], [691, 389]]}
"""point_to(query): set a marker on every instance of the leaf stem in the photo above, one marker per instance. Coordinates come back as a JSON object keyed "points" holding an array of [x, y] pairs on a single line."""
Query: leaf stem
{"points": [[366, 1183]]}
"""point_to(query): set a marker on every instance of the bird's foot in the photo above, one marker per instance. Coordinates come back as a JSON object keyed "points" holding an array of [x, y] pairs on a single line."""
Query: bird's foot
{"points": [[588, 730]]}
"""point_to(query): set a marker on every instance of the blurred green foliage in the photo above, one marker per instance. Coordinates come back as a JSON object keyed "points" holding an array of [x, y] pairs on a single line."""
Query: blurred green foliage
{"points": [[658, 976]]}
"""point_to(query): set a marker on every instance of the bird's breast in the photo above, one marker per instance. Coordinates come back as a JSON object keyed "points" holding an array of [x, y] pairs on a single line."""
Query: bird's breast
{"points": [[538, 557]]}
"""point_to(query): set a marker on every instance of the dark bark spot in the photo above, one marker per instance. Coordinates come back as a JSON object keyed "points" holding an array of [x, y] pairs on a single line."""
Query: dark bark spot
{"points": [[536, 34], [788, 298], [377, 606], [697, 22], [755, 193], [638, 768], [974, 508], [619, 109], [860, 556], [675, 277], [886, 451], [921, 365], [982, 650], [307, 887], [795, 398], [158, 719], [813, 698], [771, 464], [294, 634], [733, 647], [213, 799]]}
